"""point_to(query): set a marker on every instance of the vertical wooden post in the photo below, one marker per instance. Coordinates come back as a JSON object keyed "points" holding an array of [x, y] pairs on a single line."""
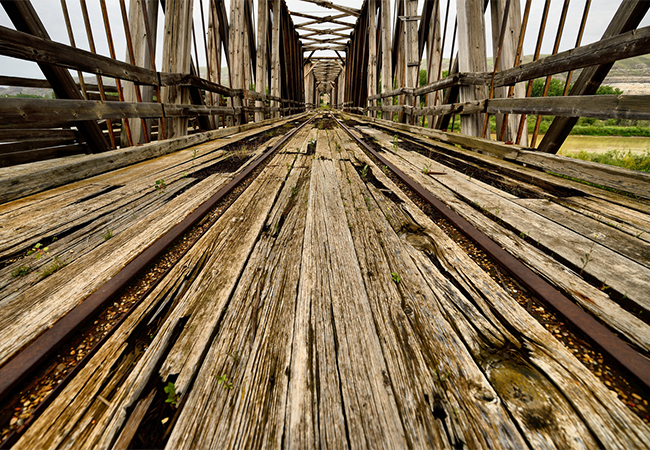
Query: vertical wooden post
{"points": [[260, 81], [176, 45], [411, 54], [238, 65], [386, 54], [214, 52], [142, 59], [275, 56], [433, 57], [507, 59], [342, 86], [372, 55], [471, 58]]}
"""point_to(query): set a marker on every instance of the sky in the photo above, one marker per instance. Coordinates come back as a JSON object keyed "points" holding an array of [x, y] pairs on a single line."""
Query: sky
{"points": [[51, 14]]}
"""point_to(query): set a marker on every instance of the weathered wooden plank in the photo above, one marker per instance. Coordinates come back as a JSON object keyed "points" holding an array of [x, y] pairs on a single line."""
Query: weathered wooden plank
{"points": [[221, 236], [257, 334], [41, 154], [471, 58], [547, 357], [608, 236], [31, 48], [590, 298], [25, 110], [21, 181], [601, 106], [625, 180], [451, 368]]}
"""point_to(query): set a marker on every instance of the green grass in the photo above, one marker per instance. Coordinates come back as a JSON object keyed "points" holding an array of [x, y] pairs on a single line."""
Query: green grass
{"points": [[629, 160]]}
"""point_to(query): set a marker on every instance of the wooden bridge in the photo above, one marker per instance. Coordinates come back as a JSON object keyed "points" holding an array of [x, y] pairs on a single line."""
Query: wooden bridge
{"points": [[189, 263]]}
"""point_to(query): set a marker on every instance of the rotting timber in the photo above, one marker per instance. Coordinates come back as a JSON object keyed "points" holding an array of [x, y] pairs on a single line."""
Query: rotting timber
{"points": [[321, 303], [259, 313]]}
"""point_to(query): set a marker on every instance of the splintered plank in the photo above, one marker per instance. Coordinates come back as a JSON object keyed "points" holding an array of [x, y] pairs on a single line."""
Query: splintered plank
{"points": [[618, 241], [556, 401], [223, 252], [252, 349], [621, 273], [337, 363], [33, 310], [592, 299], [447, 388]]}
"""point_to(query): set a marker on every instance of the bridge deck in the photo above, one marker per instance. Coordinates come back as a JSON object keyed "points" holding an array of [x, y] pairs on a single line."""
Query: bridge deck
{"points": [[322, 308]]}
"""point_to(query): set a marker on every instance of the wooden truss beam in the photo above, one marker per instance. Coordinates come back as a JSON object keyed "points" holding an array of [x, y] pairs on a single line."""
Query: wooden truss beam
{"points": [[627, 18], [25, 19], [330, 5]]}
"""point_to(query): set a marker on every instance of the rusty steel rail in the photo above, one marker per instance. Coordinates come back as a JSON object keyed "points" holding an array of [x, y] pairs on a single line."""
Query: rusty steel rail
{"points": [[29, 359], [611, 344]]}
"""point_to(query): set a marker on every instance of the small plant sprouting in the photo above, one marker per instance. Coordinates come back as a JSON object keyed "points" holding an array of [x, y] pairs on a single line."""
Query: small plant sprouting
{"points": [[108, 234], [384, 169], [54, 266], [160, 186], [39, 251], [396, 277], [426, 169], [338, 148], [638, 235], [395, 142], [172, 396], [364, 172], [21, 271], [442, 376], [224, 379], [587, 259], [234, 355]]}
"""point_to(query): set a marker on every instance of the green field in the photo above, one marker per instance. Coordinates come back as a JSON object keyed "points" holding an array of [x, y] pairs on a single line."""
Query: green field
{"points": [[628, 152]]}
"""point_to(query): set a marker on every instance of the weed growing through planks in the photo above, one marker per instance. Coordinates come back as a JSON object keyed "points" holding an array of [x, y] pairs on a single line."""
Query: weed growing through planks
{"points": [[441, 376], [587, 259], [367, 200], [338, 148], [384, 169], [395, 142], [426, 169], [160, 186], [523, 235], [395, 276], [195, 152], [172, 396], [21, 271], [223, 379], [54, 266], [38, 251], [235, 356], [638, 236], [108, 234], [364, 172]]}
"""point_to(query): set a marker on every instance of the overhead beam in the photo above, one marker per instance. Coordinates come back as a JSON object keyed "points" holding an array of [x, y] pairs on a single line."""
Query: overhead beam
{"points": [[330, 5]]}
